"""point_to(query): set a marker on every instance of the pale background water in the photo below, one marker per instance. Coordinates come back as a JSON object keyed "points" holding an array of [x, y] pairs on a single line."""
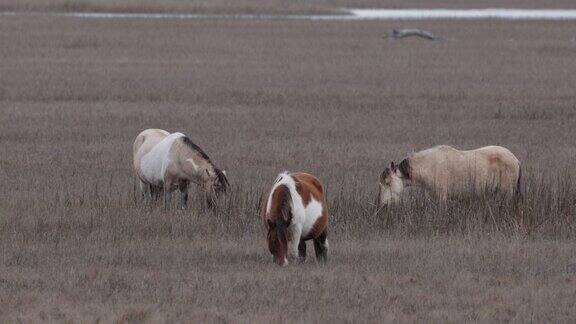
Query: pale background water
{"points": [[351, 14]]}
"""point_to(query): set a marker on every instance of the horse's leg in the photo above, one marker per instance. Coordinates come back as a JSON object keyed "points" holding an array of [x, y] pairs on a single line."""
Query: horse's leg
{"points": [[296, 232], [144, 191], [183, 186], [302, 251], [167, 194], [167, 199], [154, 192], [157, 192], [321, 247]]}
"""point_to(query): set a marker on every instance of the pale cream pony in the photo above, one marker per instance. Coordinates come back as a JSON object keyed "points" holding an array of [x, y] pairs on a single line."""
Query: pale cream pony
{"points": [[166, 162], [446, 171]]}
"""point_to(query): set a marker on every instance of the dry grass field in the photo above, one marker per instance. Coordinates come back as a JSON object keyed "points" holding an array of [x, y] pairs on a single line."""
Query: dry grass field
{"points": [[263, 6], [332, 98], [180, 6]]}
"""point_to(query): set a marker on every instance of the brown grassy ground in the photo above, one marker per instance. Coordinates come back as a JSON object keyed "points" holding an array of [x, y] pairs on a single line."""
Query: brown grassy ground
{"points": [[190, 6], [262, 6], [331, 98]]}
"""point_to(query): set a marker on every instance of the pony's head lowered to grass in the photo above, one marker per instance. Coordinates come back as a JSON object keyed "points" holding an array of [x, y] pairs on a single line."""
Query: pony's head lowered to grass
{"points": [[391, 184], [215, 184]]}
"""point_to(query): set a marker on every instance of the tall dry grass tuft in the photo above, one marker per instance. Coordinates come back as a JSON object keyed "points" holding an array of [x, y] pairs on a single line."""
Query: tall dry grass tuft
{"points": [[546, 209]]}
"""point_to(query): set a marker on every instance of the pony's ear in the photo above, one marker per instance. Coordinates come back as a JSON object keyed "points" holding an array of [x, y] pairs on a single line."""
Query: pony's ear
{"points": [[392, 166], [224, 173]]}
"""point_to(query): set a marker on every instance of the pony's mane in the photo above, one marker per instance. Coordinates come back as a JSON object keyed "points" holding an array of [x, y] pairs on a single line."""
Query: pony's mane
{"points": [[384, 174], [405, 168], [285, 209], [221, 177], [195, 148]]}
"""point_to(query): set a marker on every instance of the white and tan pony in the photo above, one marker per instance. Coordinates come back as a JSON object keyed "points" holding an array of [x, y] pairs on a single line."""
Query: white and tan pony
{"points": [[166, 162], [447, 172]]}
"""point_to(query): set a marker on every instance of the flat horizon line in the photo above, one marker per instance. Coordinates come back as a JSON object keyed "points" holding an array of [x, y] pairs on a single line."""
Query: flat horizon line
{"points": [[347, 14]]}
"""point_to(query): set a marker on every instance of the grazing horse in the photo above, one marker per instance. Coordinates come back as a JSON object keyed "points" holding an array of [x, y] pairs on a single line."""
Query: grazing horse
{"points": [[295, 211], [446, 172], [167, 162]]}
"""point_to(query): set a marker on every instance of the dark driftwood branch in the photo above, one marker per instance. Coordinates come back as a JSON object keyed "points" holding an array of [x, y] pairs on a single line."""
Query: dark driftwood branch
{"points": [[401, 33]]}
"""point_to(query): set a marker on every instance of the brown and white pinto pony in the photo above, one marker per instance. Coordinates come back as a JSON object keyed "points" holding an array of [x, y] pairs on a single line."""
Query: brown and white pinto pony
{"points": [[166, 162], [446, 171], [294, 212]]}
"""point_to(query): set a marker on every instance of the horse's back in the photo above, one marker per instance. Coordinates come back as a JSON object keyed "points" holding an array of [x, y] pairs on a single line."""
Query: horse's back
{"points": [[147, 139], [310, 190], [435, 165], [307, 184], [445, 168], [491, 154], [498, 159], [498, 152], [436, 155], [144, 143]]}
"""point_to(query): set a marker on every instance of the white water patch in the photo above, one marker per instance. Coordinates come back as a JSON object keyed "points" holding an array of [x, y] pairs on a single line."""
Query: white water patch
{"points": [[348, 14], [417, 14]]}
